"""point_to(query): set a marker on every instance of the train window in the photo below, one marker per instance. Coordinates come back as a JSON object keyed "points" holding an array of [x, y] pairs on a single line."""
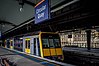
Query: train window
{"points": [[38, 41], [34, 46], [28, 43], [11, 43], [18, 45], [21, 42], [56, 43], [38, 47], [15, 43], [51, 43], [45, 43]]}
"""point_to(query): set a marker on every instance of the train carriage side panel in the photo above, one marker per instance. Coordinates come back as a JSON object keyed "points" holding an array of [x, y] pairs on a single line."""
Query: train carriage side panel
{"points": [[45, 47], [11, 44], [41, 50], [59, 51]]}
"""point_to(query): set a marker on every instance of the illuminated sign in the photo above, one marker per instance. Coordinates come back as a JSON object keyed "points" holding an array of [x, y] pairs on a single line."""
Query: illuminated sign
{"points": [[42, 11]]}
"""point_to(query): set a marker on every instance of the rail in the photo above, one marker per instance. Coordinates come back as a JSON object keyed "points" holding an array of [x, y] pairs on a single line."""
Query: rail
{"points": [[81, 59]]}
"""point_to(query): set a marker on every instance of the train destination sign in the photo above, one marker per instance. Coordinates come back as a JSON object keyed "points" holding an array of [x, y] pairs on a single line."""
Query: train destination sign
{"points": [[42, 11]]}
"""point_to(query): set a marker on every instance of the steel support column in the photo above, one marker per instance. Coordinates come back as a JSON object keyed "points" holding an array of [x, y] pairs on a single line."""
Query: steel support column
{"points": [[88, 39]]}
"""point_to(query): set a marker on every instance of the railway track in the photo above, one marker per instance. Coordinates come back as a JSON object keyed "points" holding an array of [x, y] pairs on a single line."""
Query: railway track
{"points": [[79, 59]]}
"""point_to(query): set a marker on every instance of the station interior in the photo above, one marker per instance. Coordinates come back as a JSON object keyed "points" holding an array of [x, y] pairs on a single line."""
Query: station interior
{"points": [[74, 21]]}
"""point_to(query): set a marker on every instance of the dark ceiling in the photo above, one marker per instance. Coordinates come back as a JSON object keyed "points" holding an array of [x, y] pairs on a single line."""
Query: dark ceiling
{"points": [[79, 15], [11, 16]]}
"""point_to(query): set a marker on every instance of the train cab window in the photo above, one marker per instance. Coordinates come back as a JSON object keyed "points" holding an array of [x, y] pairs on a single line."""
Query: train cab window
{"points": [[45, 43], [57, 43], [51, 43]]}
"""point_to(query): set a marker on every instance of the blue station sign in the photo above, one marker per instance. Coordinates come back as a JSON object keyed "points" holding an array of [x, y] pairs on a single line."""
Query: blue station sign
{"points": [[42, 11]]}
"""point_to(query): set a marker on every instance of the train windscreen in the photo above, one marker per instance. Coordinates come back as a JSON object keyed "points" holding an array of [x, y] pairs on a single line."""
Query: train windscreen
{"points": [[50, 40]]}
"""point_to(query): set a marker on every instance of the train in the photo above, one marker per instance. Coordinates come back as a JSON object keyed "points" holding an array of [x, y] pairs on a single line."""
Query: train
{"points": [[42, 44]]}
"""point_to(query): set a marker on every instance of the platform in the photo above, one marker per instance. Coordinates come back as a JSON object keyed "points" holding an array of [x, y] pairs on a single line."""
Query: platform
{"points": [[19, 60], [23, 59]]}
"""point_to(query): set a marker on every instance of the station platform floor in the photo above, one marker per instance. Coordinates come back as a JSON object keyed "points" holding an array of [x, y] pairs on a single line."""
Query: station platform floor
{"points": [[25, 60], [19, 60]]}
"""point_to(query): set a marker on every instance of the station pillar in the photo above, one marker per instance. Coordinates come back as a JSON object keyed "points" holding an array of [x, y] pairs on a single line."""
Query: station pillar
{"points": [[88, 39]]}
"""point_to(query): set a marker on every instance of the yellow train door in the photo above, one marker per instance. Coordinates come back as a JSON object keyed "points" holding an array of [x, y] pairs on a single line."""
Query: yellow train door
{"points": [[11, 44], [27, 45], [5, 44]]}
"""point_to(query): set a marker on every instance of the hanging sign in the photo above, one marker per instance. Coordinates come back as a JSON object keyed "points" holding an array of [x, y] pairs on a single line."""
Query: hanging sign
{"points": [[42, 11]]}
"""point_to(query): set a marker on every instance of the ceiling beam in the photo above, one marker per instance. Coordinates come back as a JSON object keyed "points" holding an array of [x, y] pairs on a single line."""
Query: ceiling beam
{"points": [[27, 2], [7, 23], [30, 3]]}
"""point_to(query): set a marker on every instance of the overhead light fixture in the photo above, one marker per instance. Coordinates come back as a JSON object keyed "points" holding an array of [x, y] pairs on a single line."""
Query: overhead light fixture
{"points": [[21, 3], [3, 25], [21, 9]]}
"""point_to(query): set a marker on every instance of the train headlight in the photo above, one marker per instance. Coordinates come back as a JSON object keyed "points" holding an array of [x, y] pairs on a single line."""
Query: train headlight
{"points": [[60, 57]]}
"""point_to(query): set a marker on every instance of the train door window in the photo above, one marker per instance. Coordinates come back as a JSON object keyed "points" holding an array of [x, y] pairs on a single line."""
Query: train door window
{"points": [[11, 43], [34, 46], [21, 42], [45, 43], [38, 47], [28, 44], [8, 43], [18, 43], [51, 43]]}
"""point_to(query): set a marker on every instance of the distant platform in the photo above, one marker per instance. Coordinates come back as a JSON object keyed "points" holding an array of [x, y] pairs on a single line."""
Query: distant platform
{"points": [[81, 56], [82, 50]]}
